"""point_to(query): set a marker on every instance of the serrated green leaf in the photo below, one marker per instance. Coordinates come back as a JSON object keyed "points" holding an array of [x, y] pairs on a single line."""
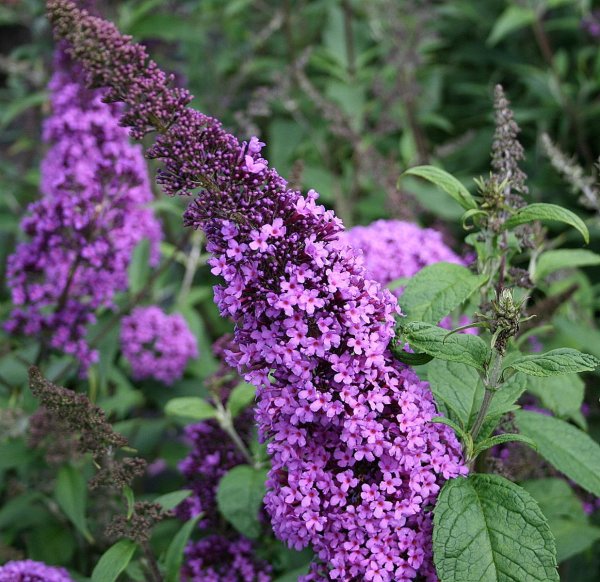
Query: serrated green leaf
{"points": [[172, 500], [542, 211], [70, 493], [552, 261], [174, 555], [487, 529], [239, 498], [446, 182], [438, 289], [555, 363], [114, 561], [241, 396], [191, 407], [563, 395], [435, 341], [458, 386], [568, 449]]}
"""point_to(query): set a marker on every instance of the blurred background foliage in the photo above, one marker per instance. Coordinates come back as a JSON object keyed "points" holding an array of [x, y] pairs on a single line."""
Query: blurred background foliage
{"points": [[347, 94]]}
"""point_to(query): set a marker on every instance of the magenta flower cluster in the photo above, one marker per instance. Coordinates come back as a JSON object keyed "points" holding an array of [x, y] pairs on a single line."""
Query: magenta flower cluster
{"points": [[84, 228], [31, 571], [394, 249], [219, 559], [157, 345], [356, 462]]}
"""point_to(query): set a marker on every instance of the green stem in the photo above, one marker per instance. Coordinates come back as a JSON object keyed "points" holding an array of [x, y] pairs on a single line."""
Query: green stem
{"points": [[226, 423], [492, 383], [191, 266]]}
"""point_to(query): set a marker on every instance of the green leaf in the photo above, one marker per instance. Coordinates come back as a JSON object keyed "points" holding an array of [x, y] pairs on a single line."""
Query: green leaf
{"points": [[410, 358], [563, 395], [446, 182], [556, 498], [552, 261], [458, 386], [241, 396], [114, 561], [572, 538], [567, 520], [70, 493], [14, 453], [457, 429], [130, 498], [500, 439], [18, 106], [239, 498], [139, 267], [191, 407], [505, 398], [568, 449], [513, 18], [555, 363], [542, 211], [435, 341], [174, 555], [172, 500], [487, 529], [438, 289]]}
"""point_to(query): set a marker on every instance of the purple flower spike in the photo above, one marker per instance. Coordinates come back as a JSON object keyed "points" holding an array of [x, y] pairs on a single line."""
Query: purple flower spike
{"points": [[356, 462], [84, 228]]}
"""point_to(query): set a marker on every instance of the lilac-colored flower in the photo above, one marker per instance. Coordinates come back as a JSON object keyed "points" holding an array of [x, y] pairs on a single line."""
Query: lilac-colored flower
{"points": [[83, 230], [31, 571], [157, 345], [394, 249], [304, 280], [219, 559]]}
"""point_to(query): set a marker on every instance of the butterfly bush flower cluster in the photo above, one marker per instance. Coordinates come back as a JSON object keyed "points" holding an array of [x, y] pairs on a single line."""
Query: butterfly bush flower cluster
{"points": [[218, 559], [157, 345], [356, 462], [84, 228], [394, 249], [31, 571]]}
